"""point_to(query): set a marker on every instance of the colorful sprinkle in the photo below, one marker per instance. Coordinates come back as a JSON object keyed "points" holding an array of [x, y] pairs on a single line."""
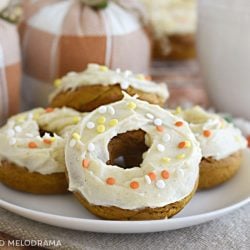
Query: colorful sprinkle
{"points": [[165, 174], [76, 136], [147, 179], [149, 116], [207, 133], [178, 110], [90, 125], [100, 128], [140, 77], [21, 118], [102, 110], [85, 163], [158, 122], [91, 147], [131, 105], [166, 159], [180, 156], [32, 145], [179, 124], [113, 122], [160, 184], [47, 141], [134, 185], [248, 141], [53, 139], [124, 84], [76, 119], [110, 181], [160, 147], [101, 120], [103, 68], [152, 176], [111, 110], [72, 143], [58, 83], [160, 128], [184, 144], [49, 110]]}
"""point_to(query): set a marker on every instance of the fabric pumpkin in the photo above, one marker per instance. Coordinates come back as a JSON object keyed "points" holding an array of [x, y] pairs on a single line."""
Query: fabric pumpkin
{"points": [[59, 36], [10, 70]]}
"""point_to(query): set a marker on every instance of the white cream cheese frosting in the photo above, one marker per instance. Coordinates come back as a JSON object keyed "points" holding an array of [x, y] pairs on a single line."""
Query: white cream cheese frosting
{"points": [[172, 17], [218, 138], [97, 74], [22, 144], [172, 159]]}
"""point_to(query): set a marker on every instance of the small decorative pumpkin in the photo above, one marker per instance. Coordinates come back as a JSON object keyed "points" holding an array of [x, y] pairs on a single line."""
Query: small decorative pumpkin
{"points": [[10, 66], [60, 36]]}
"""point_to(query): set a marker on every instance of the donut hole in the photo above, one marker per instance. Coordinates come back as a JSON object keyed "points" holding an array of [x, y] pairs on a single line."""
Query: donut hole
{"points": [[126, 149]]}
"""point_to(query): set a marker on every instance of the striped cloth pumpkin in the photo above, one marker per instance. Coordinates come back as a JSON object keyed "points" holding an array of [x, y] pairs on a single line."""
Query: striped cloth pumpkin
{"points": [[10, 70], [59, 36]]}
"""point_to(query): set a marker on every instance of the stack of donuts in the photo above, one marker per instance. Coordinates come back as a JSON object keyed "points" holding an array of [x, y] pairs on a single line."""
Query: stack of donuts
{"points": [[107, 139]]}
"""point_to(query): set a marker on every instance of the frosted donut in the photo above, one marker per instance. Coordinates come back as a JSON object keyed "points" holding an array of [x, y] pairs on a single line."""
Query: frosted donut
{"points": [[221, 144], [98, 85], [32, 150], [158, 187]]}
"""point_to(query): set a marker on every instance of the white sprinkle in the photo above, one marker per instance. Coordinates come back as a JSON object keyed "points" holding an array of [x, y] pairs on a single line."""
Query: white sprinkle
{"points": [[30, 116], [160, 147], [12, 141], [10, 132], [111, 110], [30, 135], [149, 116], [91, 147], [166, 138], [158, 122], [90, 125], [127, 73], [72, 143], [102, 109], [147, 179], [180, 172], [72, 73], [160, 184], [83, 155], [118, 70], [18, 129], [124, 84]]}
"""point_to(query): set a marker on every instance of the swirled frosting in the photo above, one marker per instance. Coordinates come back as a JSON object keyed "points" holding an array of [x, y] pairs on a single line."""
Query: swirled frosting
{"points": [[171, 17], [218, 138], [22, 144], [98, 74], [169, 169]]}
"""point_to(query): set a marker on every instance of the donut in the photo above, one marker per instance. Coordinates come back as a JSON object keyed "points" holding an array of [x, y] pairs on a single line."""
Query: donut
{"points": [[221, 145], [99, 85], [32, 150], [124, 162]]}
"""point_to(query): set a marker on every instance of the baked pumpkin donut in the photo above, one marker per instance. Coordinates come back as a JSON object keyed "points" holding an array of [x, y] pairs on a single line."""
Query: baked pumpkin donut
{"points": [[32, 150], [156, 188], [98, 85], [221, 144]]}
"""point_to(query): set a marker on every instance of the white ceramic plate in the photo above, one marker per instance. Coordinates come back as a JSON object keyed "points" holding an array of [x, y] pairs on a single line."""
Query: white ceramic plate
{"points": [[65, 211]]}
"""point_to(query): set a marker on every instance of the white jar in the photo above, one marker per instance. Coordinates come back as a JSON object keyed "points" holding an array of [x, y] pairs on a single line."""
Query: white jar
{"points": [[223, 40]]}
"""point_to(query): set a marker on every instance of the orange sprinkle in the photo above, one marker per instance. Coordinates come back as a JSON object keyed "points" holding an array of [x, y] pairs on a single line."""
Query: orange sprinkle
{"points": [[179, 124], [149, 78], [248, 140], [182, 144], [160, 128], [47, 141], [165, 174], [207, 133], [48, 110], [85, 163], [110, 181], [32, 145], [134, 184], [152, 176]]}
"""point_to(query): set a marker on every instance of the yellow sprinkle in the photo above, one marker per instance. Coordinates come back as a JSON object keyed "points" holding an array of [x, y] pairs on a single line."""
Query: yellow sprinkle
{"points": [[237, 138], [131, 105], [76, 119], [36, 116], [100, 128], [180, 156], [187, 144], [101, 120], [166, 159], [76, 136], [113, 122], [103, 68], [52, 139], [21, 118], [57, 82], [140, 77], [178, 110]]}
